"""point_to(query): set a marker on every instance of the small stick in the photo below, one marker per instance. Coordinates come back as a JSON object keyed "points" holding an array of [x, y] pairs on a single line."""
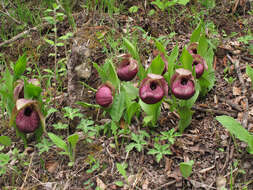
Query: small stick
{"points": [[235, 106], [20, 35], [166, 184], [219, 112], [8, 14], [246, 111], [22, 187]]}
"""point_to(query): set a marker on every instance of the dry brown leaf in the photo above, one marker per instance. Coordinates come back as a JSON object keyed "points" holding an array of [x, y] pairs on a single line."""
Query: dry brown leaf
{"points": [[220, 182], [100, 184], [240, 116], [51, 166], [236, 91], [244, 105], [168, 163], [251, 111], [197, 148], [145, 184], [206, 169], [175, 174]]}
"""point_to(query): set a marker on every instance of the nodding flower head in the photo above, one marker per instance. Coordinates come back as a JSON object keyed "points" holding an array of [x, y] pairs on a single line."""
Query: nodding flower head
{"points": [[104, 95], [128, 68], [28, 116], [153, 88], [19, 89], [193, 48], [182, 84], [200, 65]]}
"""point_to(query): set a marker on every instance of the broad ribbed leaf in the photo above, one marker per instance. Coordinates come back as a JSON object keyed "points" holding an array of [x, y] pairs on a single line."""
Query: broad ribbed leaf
{"points": [[58, 141], [118, 107], [235, 128]]}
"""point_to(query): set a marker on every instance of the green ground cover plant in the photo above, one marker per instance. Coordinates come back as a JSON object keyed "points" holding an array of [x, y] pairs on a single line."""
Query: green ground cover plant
{"points": [[144, 105]]}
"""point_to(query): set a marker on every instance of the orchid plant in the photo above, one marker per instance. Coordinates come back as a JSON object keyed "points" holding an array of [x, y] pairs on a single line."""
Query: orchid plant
{"points": [[23, 101], [184, 79]]}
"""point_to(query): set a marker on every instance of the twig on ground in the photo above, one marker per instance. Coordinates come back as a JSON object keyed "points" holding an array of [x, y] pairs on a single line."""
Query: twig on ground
{"points": [[166, 184], [219, 112], [20, 35], [244, 90], [24, 182], [8, 14], [235, 106], [193, 182], [227, 156], [235, 6]]}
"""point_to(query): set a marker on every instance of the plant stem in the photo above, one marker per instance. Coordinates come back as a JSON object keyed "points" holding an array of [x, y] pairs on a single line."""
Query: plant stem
{"points": [[88, 86]]}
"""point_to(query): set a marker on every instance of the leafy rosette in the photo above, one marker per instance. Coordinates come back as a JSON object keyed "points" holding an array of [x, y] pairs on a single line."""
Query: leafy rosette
{"points": [[153, 88], [182, 84], [128, 68]]}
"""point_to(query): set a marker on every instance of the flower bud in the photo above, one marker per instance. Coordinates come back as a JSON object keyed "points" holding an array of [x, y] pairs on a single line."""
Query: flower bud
{"points": [[19, 89], [182, 84], [200, 65], [156, 53], [104, 95], [153, 88], [193, 48], [128, 68]]}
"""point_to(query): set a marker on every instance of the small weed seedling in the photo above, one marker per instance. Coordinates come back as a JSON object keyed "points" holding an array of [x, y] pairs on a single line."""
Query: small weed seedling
{"points": [[44, 146], [89, 129], [93, 163], [121, 167], [160, 150], [186, 168], [4, 158], [139, 141], [249, 72], [68, 148]]}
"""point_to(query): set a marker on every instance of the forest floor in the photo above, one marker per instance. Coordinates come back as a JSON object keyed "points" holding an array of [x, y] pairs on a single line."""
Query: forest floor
{"points": [[217, 156]]}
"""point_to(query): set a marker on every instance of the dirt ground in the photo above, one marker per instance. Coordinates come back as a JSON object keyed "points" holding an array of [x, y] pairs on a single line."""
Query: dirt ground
{"points": [[217, 156]]}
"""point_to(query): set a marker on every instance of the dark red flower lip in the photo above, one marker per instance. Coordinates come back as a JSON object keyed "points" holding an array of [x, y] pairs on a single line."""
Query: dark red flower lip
{"points": [[27, 119], [128, 68], [104, 95], [182, 84], [153, 88], [28, 116]]}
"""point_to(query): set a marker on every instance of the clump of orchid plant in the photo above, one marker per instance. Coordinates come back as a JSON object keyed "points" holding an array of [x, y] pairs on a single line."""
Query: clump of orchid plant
{"points": [[27, 116], [187, 77], [23, 101]]}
